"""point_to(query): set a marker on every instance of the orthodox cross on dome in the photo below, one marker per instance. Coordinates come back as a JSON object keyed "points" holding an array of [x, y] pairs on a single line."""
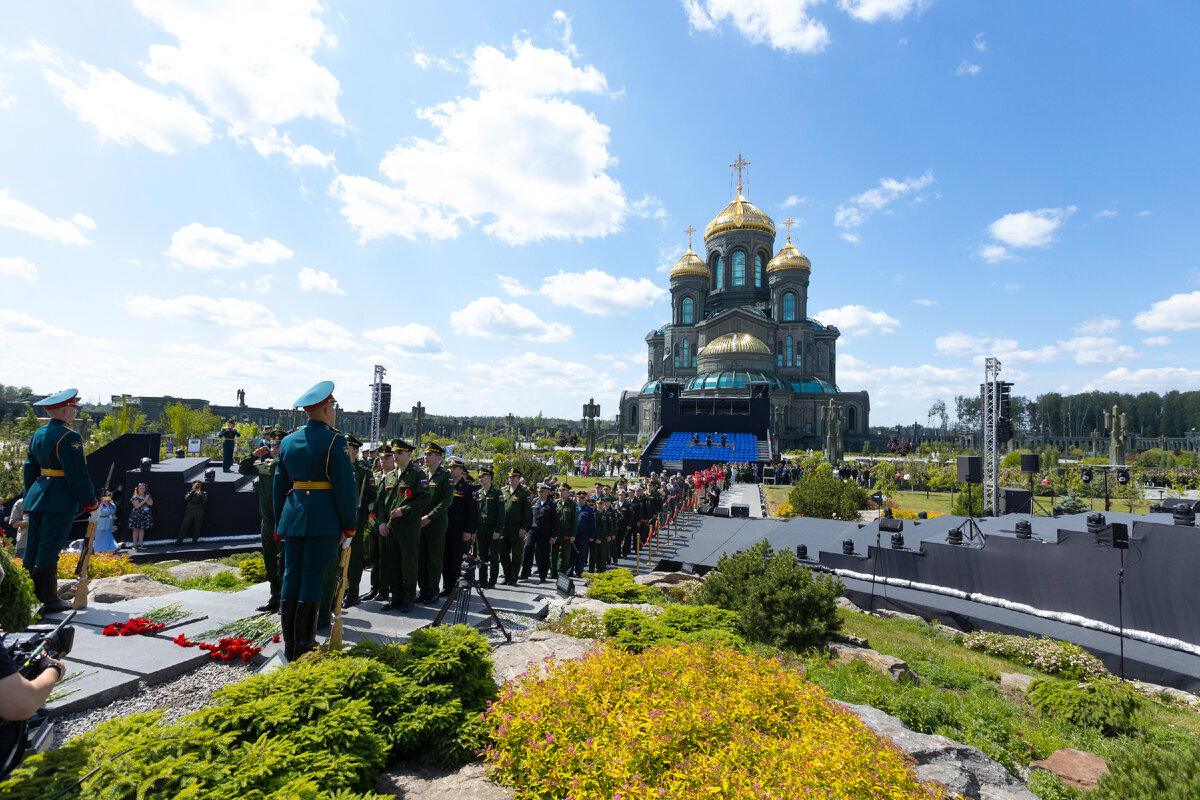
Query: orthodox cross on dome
{"points": [[740, 165], [689, 231], [788, 223]]}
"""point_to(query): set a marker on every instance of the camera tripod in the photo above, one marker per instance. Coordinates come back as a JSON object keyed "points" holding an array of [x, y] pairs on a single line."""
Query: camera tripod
{"points": [[460, 598]]}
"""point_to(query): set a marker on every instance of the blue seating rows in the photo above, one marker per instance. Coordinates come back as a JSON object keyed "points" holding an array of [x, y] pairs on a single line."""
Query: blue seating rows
{"points": [[737, 447]]}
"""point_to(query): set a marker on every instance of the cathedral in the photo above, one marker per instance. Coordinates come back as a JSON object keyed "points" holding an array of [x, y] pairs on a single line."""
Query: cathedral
{"points": [[740, 315]]}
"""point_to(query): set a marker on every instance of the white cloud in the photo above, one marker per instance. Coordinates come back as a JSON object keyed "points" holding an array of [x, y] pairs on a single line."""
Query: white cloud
{"points": [[304, 155], [924, 302], [15, 214], [314, 334], [1089, 349], [995, 252], [1149, 379], [18, 322], [858, 209], [967, 68], [519, 154], [409, 339], [783, 24], [980, 43], [200, 247], [1143, 214], [597, 292], [1011, 286], [512, 287], [1157, 341], [126, 113], [491, 318], [18, 267], [856, 320], [425, 61], [1096, 350], [228, 312], [377, 211], [792, 201], [894, 384], [249, 64], [956, 343], [262, 284], [1108, 212], [6, 100], [315, 280], [648, 207], [667, 256], [535, 375], [875, 10], [1098, 326], [1179, 312], [1030, 228]]}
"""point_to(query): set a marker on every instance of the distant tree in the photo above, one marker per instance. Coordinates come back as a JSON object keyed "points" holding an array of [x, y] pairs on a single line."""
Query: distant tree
{"points": [[967, 412], [186, 422], [28, 424], [898, 445], [573, 440], [126, 419], [938, 411]]}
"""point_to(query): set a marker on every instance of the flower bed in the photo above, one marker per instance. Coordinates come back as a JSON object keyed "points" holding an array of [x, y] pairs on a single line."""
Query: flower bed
{"points": [[1052, 657]]}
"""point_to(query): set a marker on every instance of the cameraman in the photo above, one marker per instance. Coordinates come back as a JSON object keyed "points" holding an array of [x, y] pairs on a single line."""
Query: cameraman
{"points": [[21, 697]]}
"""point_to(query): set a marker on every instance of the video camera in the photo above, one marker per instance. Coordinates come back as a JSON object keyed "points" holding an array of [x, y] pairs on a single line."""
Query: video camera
{"points": [[26, 650]]}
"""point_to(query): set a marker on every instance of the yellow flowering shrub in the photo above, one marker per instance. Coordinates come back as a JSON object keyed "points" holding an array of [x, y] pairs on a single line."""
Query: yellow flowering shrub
{"points": [[786, 510], [101, 565], [688, 721], [904, 513]]}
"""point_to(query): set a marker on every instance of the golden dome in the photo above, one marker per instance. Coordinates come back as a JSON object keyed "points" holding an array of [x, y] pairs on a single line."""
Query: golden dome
{"points": [[735, 343], [788, 258], [689, 264], [741, 214]]}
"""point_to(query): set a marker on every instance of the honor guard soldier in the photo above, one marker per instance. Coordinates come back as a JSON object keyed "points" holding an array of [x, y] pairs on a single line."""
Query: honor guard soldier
{"points": [[403, 497], [541, 535], [329, 587], [315, 511], [57, 486], [228, 437], [490, 502], [373, 543], [568, 524], [518, 517], [433, 524], [462, 520], [261, 464], [585, 532]]}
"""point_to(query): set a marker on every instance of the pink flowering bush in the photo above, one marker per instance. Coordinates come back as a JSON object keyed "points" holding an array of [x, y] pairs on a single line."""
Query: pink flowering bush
{"points": [[1064, 659]]}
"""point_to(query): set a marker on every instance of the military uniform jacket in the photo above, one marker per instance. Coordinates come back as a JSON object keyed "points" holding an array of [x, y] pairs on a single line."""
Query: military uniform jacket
{"points": [[363, 475], [405, 490], [56, 446], [604, 525], [518, 508], [264, 469], [491, 511], [568, 519], [463, 515], [441, 495], [314, 453], [228, 437], [545, 519]]}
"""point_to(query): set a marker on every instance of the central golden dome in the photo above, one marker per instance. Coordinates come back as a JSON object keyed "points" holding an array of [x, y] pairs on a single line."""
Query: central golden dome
{"points": [[788, 257], [735, 343], [689, 264], [741, 214]]}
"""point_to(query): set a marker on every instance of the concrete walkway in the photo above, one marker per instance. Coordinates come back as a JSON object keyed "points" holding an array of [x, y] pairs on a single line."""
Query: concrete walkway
{"points": [[743, 494]]}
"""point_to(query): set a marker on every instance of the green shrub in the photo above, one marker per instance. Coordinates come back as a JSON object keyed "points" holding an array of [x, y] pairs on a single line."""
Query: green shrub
{"points": [[323, 727], [1064, 659], [684, 591], [17, 599], [634, 631], [253, 570], [818, 494], [220, 582], [1073, 504], [780, 603], [1108, 704], [1145, 772], [1049, 786], [617, 586]]}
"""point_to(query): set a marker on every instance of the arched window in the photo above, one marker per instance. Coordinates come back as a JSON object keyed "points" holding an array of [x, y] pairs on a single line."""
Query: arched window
{"points": [[758, 270], [789, 307], [720, 273], [687, 315], [789, 351], [686, 356], [779, 354], [675, 353], [694, 356], [739, 268], [852, 419]]}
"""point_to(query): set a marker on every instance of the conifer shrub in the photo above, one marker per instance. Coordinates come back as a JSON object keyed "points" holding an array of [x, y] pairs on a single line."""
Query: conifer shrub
{"points": [[634, 631], [686, 721], [253, 569], [618, 586], [779, 602], [1142, 771], [17, 599], [1105, 703]]}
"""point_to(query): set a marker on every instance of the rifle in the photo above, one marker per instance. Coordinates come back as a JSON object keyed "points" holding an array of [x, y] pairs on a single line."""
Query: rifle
{"points": [[335, 630], [85, 555]]}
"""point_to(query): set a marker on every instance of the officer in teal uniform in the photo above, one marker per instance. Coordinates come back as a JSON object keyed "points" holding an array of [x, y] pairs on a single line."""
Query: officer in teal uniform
{"points": [[354, 569], [57, 485], [315, 510], [261, 464], [228, 438]]}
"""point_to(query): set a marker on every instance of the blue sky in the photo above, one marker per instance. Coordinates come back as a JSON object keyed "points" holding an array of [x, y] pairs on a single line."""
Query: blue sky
{"points": [[197, 197]]}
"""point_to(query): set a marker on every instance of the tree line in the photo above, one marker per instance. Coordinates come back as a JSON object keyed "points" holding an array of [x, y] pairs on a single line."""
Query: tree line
{"points": [[1148, 414]]}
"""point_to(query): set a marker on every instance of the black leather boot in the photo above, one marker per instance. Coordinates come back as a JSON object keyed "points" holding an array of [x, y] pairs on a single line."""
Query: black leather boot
{"points": [[287, 615], [45, 584], [306, 627]]}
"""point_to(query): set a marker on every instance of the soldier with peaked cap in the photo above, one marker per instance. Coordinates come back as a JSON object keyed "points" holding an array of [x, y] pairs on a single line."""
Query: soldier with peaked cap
{"points": [[541, 534], [261, 464], [433, 524], [403, 497], [228, 437], [462, 520], [373, 543], [364, 483], [490, 502], [517, 517], [315, 510], [57, 485], [562, 549]]}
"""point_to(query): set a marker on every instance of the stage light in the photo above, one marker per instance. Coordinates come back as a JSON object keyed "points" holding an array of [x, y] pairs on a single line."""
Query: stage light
{"points": [[1024, 529], [180, 452], [210, 475], [1183, 515], [922, 515], [1122, 475], [1085, 475], [145, 464], [848, 547], [889, 525], [1156, 508], [954, 536], [897, 541], [1095, 522], [802, 552]]}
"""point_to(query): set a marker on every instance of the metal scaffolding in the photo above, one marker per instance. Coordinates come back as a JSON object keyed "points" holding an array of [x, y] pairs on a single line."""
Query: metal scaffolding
{"points": [[990, 412], [377, 411]]}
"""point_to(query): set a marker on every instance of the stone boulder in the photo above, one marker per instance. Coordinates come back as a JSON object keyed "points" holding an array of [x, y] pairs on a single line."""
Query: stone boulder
{"points": [[419, 782], [663, 579], [114, 590], [960, 768], [198, 569], [1016, 680], [598, 607], [895, 668], [845, 602], [887, 613], [1165, 692], [513, 659], [1077, 768]]}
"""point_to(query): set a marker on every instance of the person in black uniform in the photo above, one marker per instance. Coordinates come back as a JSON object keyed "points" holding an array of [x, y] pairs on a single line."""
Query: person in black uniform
{"points": [[541, 535], [490, 502], [228, 437], [193, 513], [462, 519]]}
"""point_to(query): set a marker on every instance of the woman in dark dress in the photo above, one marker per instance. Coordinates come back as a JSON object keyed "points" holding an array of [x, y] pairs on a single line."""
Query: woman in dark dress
{"points": [[141, 518]]}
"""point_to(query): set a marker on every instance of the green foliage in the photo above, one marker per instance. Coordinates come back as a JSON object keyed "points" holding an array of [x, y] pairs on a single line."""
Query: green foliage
{"points": [[323, 727], [1073, 504], [581, 624], [780, 603], [634, 631], [17, 600], [28, 424], [617, 586], [189, 423], [1049, 786], [1145, 772], [818, 494], [544, 444], [253, 570], [533, 469], [120, 421], [499, 445], [1065, 659], [960, 507], [220, 582], [1108, 704]]}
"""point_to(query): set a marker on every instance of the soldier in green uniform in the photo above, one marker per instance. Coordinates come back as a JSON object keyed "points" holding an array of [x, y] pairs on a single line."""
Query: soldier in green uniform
{"points": [[568, 525], [57, 485], [261, 464], [228, 436], [517, 517], [373, 545], [433, 524], [329, 586], [315, 511], [193, 513], [402, 501], [490, 529], [598, 548]]}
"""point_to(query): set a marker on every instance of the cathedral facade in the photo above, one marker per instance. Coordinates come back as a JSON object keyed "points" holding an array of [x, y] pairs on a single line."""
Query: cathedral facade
{"points": [[739, 314]]}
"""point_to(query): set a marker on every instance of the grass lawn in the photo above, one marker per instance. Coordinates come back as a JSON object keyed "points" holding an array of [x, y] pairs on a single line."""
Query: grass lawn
{"points": [[940, 501]]}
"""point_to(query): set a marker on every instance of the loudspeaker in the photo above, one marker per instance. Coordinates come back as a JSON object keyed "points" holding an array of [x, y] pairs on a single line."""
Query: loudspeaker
{"points": [[1024, 529], [970, 469], [1015, 501], [720, 512], [1170, 504], [1120, 536], [740, 510], [890, 525], [705, 509], [1031, 462]]}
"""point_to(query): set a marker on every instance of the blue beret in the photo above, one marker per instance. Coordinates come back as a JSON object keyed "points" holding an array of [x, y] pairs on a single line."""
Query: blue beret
{"points": [[315, 396], [65, 397]]}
